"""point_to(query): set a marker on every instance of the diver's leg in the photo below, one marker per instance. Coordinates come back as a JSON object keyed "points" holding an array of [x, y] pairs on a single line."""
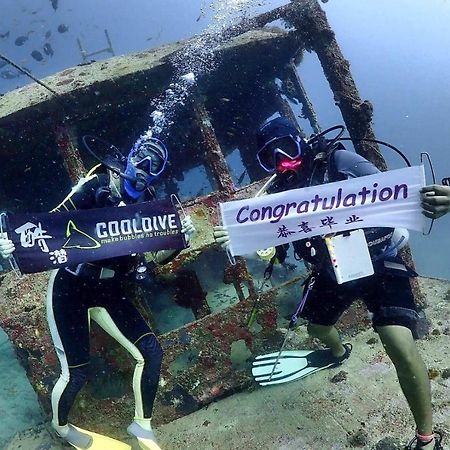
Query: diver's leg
{"points": [[145, 390], [395, 320], [68, 323], [329, 336], [326, 302], [123, 322], [412, 373]]}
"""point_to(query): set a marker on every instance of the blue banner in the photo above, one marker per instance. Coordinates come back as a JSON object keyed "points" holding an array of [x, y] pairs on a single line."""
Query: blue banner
{"points": [[51, 240]]}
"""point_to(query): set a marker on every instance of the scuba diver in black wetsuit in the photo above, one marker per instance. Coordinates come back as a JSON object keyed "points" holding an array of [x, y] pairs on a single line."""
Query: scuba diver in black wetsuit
{"points": [[387, 293], [95, 291]]}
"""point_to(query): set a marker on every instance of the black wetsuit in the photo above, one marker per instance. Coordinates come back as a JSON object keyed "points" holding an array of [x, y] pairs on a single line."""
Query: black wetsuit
{"points": [[387, 293], [88, 291]]}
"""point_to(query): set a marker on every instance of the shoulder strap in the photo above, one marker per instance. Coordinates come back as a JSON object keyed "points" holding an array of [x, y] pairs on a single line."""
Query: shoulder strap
{"points": [[68, 204]]}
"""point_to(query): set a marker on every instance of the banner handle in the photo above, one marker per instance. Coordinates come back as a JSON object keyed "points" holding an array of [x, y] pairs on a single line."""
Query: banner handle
{"points": [[265, 186], [422, 155], [12, 261], [231, 258], [174, 199]]}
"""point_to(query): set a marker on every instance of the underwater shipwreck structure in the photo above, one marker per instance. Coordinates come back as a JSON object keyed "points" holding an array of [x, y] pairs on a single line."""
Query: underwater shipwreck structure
{"points": [[200, 303]]}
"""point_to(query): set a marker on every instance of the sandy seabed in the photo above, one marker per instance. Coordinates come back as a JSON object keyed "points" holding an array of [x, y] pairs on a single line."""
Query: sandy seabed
{"points": [[365, 407]]}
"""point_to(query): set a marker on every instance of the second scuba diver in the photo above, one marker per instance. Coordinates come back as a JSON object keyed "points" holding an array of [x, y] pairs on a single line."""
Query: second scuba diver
{"points": [[387, 293], [96, 291]]}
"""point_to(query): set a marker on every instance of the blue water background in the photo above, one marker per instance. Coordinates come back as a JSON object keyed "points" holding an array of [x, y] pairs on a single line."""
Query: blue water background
{"points": [[398, 53]]}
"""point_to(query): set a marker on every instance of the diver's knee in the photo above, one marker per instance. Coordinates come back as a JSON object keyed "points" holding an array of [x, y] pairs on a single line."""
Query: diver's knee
{"points": [[407, 361], [78, 376], [317, 331], [401, 349], [150, 348]]}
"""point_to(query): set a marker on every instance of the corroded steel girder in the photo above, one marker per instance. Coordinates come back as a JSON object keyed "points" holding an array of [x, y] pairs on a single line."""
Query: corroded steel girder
{"points": [[216, 162], [314, 32], [212, 153], [312, 25]]}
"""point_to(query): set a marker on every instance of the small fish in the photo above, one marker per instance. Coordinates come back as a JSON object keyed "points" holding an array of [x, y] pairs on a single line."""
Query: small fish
{"points": [[48, 50], [37, 55], [225, 100], [54, 4], [27, 169], [8, 75], [202, 12], [5, 35], [21, 40], [62, 28], [48, 34]]}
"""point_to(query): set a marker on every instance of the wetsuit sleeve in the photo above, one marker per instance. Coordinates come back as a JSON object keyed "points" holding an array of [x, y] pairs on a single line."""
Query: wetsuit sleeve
{"points": [[163, 257], [281, 252], [82, 195], [344, 164]]}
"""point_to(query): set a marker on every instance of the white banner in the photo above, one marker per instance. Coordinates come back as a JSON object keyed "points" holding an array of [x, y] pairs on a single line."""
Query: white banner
{"points": [[386, 199]]}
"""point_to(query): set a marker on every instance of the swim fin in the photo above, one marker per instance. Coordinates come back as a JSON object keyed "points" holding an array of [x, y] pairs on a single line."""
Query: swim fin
{"points": [[145, 438], [100, 442], [148, 444], [294, 364]]}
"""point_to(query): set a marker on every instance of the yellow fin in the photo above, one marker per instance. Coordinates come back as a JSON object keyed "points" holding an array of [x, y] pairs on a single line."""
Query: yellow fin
{"points": [[100, 442], [147, 444]]}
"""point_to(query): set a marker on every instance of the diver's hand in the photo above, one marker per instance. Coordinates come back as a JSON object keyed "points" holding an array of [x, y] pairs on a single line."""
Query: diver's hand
{"points": [[188, 228], [221, 236], [6, 246], [435, 200]]}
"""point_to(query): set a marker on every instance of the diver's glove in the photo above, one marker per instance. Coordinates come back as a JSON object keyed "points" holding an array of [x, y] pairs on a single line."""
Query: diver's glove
{"points": [[221, 236], [104, 197], [435, 201], [188, 228], [6, 246]]}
